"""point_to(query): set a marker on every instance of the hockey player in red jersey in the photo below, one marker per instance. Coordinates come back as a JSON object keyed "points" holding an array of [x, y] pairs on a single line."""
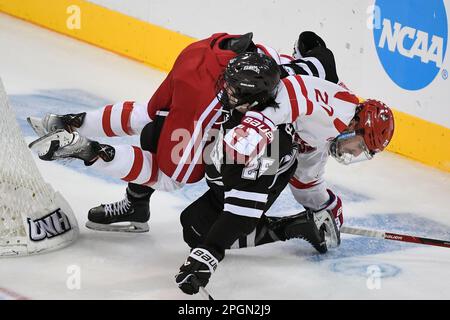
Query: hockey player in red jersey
{"points": [[328, 120], [179, 115], [187, 106], [295, 107], [367, 130]]}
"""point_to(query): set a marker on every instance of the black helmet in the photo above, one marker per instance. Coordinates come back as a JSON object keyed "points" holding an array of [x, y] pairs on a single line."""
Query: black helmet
{"points": [[250, 78]]}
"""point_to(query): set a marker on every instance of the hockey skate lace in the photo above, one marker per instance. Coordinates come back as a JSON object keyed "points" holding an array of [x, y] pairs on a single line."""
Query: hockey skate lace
{"points": [[117, 208]]}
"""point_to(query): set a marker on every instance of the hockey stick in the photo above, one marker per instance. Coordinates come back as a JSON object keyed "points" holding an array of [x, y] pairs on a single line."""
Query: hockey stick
{"points": [[205, 293], [395, 236]]}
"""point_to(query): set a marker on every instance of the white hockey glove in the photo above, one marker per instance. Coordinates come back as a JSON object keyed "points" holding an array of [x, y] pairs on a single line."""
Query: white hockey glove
{"points": [[330, 220]]}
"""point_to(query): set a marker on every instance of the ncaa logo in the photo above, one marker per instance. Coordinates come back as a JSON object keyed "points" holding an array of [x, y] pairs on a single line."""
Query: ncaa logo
{"points": [[411, 40]]}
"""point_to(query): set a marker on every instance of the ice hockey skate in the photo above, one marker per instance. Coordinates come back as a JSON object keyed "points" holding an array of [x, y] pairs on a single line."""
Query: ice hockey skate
{"points": [[127, 215], [64, 145], [52, 122], [315, 227]]}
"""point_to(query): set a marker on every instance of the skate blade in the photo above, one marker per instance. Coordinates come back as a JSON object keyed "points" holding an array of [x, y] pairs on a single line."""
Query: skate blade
{"points": [[37, 126], [46, 144], [133, 227]]}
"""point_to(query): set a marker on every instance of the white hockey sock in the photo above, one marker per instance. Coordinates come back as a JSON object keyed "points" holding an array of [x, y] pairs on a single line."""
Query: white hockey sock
{"points": [[120, 119]]}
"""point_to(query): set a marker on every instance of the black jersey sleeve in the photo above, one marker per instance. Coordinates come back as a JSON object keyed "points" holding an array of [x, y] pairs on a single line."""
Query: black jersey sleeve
{"points": [[249, 190]]}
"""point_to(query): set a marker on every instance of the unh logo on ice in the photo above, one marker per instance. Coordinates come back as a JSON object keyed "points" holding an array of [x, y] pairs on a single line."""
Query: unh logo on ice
{"points": [[411, 40], [52, 225]]}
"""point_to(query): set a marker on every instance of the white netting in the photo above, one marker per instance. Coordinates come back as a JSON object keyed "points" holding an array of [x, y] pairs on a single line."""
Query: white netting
{"points": [[23, 192]]}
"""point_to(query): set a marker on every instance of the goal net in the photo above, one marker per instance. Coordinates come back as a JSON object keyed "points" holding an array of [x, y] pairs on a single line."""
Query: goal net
{"points": [[33, 217]]}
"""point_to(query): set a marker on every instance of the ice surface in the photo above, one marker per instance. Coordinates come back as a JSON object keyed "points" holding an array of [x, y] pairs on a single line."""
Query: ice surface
{"points": [[43, 71]]}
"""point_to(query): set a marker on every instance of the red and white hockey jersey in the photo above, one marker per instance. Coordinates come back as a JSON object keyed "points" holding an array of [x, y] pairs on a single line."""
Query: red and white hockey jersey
{"points": [[320, 110], [189, 95]]}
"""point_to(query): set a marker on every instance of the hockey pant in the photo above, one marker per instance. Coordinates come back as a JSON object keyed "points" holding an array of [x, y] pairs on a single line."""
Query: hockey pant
{"points": [[308, 185]]}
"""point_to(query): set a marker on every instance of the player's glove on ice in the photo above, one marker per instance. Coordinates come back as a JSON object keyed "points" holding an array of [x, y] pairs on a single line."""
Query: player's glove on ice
{"points": [[197, 269], [335, 208], [330, 219]]}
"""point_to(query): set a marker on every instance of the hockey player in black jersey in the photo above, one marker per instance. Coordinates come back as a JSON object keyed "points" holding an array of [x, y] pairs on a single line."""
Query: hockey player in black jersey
{"points": [[311, 57], [244, 183]]}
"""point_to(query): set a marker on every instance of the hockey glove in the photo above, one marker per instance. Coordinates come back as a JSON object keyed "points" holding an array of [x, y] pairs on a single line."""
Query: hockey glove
{"points": [[335, 208], [249, 139], [197, 269], [330, 219]]}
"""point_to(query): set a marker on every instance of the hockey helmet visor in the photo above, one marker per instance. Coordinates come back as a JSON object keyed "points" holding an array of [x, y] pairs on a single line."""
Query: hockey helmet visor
{"points": [[350, 147]]}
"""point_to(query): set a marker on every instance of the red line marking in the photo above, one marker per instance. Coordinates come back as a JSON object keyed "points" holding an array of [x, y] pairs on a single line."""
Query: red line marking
{"points": [[13, 295]]}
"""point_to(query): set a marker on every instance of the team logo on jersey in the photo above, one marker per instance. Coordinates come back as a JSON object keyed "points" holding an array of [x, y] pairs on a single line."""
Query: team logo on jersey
{"points": [[52, 225], [411, 40]]}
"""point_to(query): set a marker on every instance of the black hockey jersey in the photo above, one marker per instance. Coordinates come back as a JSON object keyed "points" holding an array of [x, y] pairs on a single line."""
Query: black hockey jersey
{"points": [[245, 189], [239, 194]]}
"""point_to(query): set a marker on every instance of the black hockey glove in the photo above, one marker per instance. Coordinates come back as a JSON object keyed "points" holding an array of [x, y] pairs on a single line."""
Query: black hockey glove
{"points": [[197, 269]]}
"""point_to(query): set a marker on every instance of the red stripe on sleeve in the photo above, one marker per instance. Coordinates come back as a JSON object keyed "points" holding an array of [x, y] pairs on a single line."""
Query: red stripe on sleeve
{"points": [[347, 96], [292, 99], [339, 125], [287, 57], [309, 104], [125, 117], [300, 185], [137, 165], [106, 121]]}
